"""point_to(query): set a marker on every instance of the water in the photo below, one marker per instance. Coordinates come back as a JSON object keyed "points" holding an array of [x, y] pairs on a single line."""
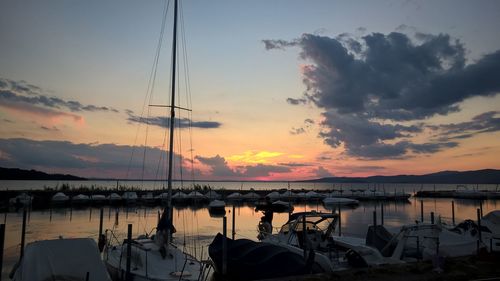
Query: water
{"points": [[232, 185], [197, 228]]}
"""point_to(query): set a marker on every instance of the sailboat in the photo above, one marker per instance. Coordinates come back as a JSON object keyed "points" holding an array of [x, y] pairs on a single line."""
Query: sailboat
{"points": [[156, 257]]}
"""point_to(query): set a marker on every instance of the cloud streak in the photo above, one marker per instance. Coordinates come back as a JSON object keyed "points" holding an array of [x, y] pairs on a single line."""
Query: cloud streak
{"points": [[164, 122]]}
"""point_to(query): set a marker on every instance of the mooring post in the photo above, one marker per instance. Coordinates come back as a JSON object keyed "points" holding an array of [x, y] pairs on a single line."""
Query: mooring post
{"points": [[421, 211], [2, 239], [374, 218], [234, 221], [101, 217], [481, 207], [340, 221], [70, 212], [382, 214], [23, 234], [432, 217], [304, 235], [116, 216], [158, 216], [224, 246], [128, 276], [479, 223], [453, 212]]}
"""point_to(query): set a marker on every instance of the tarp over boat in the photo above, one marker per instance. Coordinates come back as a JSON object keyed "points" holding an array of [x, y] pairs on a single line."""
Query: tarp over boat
{"points": [[250, 260], [62, 260]]}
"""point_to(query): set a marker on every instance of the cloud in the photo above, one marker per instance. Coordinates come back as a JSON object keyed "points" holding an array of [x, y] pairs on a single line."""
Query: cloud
{"points": [[88, 160], [486, 122], [301, 130], [254, 157], [52, 129], [295, 164], [278, 44], [164, 122], [24, 97], [219, 168], [371, 87], [293, 101], [322, 172]]}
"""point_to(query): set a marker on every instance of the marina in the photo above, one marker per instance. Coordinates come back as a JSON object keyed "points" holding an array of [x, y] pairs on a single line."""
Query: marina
{"points": [[197, 227]]}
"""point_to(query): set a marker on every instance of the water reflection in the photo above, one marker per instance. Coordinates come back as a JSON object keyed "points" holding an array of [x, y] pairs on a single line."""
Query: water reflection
{"points": [[196, 227]]}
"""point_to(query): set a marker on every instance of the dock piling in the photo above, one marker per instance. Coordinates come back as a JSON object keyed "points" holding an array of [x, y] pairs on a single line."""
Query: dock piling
{"points": [[481, 207], [2, 239], [234, 227], [116, 217], [453, 212], [382, 214], [128, 276], [23, 235], [224, 246], [479, 223], [340, 221], [421, 211], [101, 217], [432, 217]]}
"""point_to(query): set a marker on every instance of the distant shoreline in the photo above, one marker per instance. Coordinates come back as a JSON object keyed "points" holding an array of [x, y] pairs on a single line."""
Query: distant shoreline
{"points": [[485, 176]]}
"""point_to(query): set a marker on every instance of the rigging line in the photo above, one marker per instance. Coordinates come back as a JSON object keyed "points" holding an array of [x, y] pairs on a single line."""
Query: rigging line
{"points": [[188, 92], [153, 67]]}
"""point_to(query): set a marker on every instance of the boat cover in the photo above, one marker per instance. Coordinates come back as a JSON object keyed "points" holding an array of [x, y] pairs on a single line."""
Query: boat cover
{"points": [[62, 260], [250, 260]]}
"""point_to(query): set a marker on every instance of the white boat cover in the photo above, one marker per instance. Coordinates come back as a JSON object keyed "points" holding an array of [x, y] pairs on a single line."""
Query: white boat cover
{"points": [[212, 194], [235, 195], [251, 195], [195, 195], [60, 197], [80, 197], [274, 195], [62, 259]]}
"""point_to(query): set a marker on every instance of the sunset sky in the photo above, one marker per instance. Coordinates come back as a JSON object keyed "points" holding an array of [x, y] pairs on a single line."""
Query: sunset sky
{"points": [[280, 90]]}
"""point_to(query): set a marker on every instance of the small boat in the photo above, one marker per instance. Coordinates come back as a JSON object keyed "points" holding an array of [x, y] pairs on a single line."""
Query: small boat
{"points": [[114, 199], [281, 206], [339, 201], [217, 207], [21, 200], [75, 259], [97, 199], [196, 196], [211, 195], [179, 197], [80, 200], [130, 197], [250, 260], [235, 196], [275, 195], [60, 199], [148, 198], [313, 195], [251, 196]]}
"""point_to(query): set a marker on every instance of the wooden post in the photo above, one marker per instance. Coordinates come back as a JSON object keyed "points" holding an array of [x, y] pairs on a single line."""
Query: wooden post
{"points": [[421, 211], [234, 227], [481, 207], [304, 235], [101, 217], [453, 212], [340, 221], [432, 217], [224, 246], [2, 239], [382, 214], [374, 218], [128, 276], [479, 223], [116, 217], [23, 234]]}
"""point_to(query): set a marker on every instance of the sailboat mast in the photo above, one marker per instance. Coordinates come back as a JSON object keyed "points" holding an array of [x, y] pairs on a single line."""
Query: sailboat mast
{"points": [[172, 112]]}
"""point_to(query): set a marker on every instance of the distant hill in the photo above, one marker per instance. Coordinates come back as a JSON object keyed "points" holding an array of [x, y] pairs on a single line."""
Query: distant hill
{"points": [[19, 174], [487, 176]]}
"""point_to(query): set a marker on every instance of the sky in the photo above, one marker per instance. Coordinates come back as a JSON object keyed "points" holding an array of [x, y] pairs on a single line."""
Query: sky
{"points": [[279, 90]]}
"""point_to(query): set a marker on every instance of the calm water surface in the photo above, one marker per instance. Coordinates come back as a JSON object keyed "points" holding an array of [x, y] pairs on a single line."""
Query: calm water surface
{"points": [[196, 228]]}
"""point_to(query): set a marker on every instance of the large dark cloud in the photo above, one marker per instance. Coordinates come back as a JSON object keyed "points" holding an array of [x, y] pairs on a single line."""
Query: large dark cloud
{"points": [[370, 86], [219, 168], [23, 95], [164, 122], [88, 160]]}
